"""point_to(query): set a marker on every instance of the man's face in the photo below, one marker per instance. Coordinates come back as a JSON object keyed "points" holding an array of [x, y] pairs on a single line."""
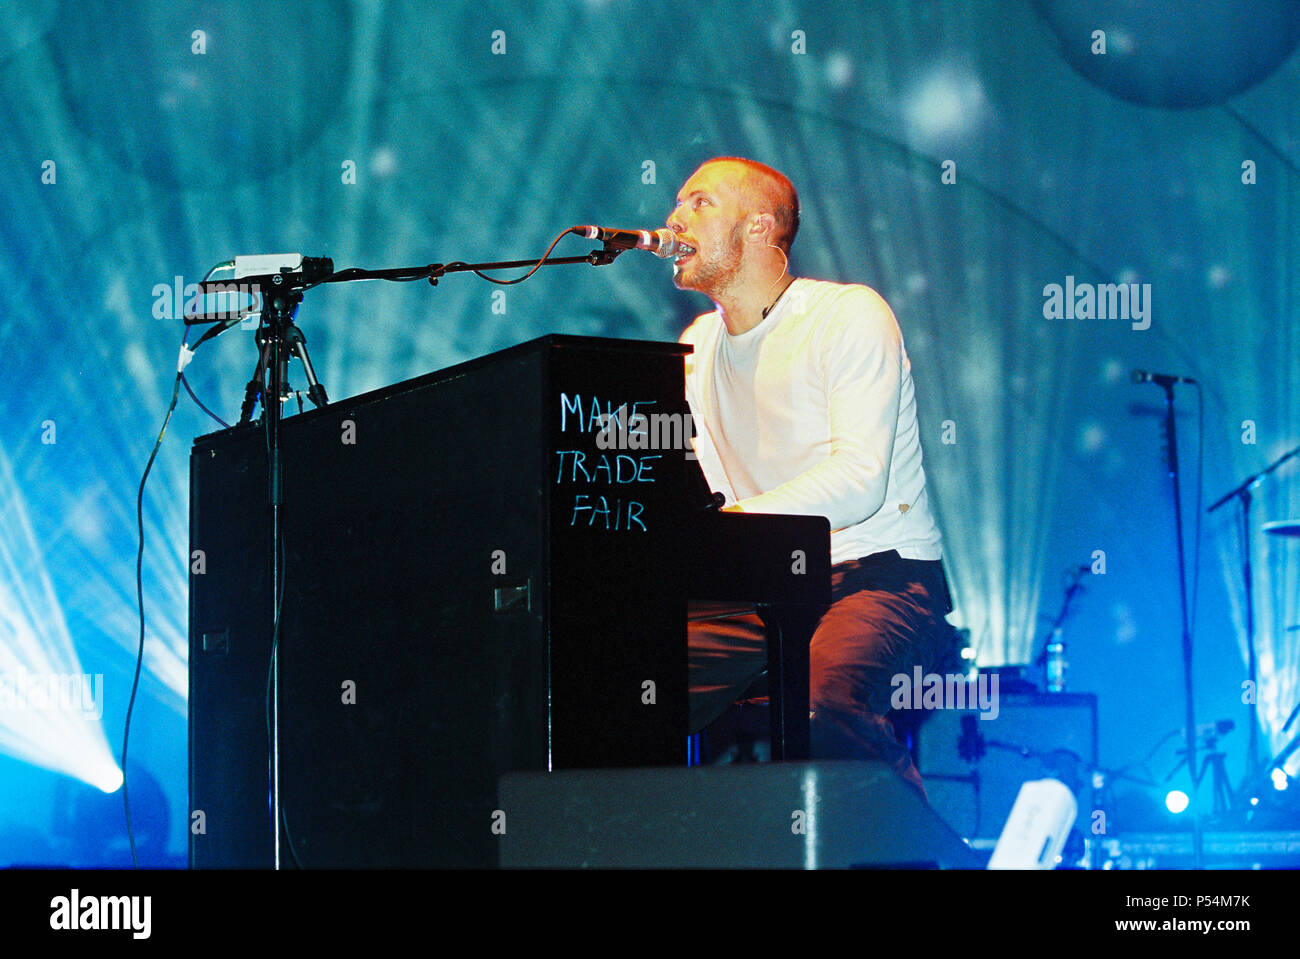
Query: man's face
{"points": [[709, 216]]}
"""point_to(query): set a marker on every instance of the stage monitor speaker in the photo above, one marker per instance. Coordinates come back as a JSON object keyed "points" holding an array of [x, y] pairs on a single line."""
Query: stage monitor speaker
{"points": [[973, 768], [812, 815]]}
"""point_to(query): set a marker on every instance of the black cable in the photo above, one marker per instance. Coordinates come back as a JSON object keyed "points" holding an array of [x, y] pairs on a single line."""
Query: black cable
{"points": [[139, 595], [185, 355], [359, 273], [214, 331], [520, 279], [270, 676], [186, 384]]}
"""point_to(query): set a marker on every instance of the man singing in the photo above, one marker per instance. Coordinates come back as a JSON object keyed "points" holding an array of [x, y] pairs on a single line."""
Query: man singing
{"points": [[802, 395]]}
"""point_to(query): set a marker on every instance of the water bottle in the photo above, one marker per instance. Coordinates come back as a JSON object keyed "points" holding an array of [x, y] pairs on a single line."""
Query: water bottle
{"points": [[1056, 663]]}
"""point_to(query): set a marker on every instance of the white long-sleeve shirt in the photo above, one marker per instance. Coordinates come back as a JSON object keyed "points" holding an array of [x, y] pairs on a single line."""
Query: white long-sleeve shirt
{"points": [[812, 412]]}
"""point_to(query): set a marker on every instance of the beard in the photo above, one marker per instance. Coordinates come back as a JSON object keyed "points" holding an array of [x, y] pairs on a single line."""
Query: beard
{"points": [[717, 273]]}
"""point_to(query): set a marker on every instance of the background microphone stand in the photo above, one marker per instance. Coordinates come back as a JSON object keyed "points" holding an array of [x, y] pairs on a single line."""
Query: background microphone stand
{"points": [[1072, 589], [1242, 493], [1171, 443]]}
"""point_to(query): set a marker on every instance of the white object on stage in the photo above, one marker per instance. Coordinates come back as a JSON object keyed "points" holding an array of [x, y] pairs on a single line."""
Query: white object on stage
{"points": [[1037, 828]]}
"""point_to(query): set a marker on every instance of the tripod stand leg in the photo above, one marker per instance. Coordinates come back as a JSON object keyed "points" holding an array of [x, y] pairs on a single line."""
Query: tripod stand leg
{"points": [[257, 385], [298, 343]]}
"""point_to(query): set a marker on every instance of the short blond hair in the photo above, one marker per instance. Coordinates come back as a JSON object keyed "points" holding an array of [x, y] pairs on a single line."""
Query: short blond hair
{"points": [[768, 191]]}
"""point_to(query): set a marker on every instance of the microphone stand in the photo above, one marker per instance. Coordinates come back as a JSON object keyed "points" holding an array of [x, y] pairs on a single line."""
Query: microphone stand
{"points": [[1076, 584], [1213, 763], [276, 339], [1171, 440], [436, 271], [1242, 493], [1279, 761], [278, 309], [972, 745]]}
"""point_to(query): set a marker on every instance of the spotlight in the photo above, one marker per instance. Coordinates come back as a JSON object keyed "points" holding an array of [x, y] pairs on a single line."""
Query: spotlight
{"points": [[108, 779], [1279, 777], [1176, 801]]}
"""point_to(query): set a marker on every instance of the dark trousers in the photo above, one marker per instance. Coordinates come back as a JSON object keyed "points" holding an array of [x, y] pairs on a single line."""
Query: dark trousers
{"points": [[886, 617]]}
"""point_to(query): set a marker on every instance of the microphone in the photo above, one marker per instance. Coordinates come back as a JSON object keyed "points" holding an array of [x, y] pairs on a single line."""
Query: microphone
{"points": [[1220, 727], [1160, 379], [661, 242]]}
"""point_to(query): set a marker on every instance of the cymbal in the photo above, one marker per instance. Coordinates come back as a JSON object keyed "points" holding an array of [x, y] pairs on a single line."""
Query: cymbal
{"points": [[1283, 527]]}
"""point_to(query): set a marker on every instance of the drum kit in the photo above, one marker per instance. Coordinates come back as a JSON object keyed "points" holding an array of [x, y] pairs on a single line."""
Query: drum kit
{"points": [[1286, 528], [1257, 776]]}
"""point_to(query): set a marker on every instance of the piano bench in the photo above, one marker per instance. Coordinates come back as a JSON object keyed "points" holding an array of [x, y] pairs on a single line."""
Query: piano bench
{"points": [[746, 730], [749, 719], [784, 683]]}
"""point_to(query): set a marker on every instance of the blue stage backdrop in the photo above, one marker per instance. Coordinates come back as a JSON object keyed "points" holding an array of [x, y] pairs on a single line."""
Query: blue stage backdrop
{"points": [[980, 164]]}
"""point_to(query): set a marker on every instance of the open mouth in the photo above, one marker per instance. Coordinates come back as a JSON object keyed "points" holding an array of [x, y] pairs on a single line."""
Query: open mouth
{"points": [[685, 252]]}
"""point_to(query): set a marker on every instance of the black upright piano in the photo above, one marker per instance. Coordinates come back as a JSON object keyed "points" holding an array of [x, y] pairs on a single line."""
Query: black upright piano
{"points": [[485, 569]]}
